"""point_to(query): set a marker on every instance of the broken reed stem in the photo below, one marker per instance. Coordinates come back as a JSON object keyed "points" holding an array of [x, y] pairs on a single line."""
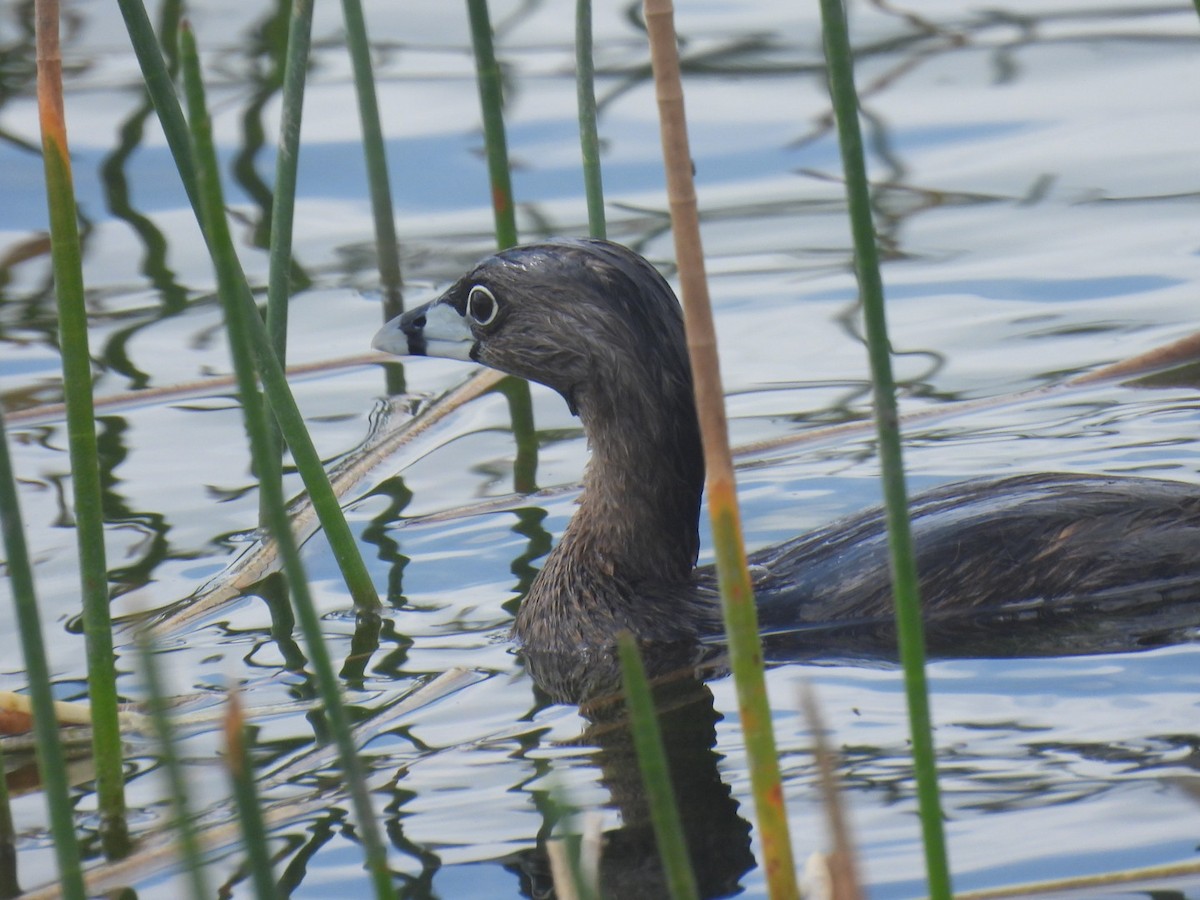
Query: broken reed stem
{"points": [[67, 261], [737, 596]]}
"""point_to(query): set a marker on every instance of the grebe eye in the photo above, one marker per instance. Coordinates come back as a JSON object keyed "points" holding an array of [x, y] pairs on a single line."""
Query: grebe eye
{"points": [[482, 306]]}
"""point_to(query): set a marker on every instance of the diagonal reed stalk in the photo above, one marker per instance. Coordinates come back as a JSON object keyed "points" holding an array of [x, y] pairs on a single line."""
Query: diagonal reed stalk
{"points": [[904, 571], [51, 762], [589, 139], [238, 319], [81, 433], [652, 759], [274, 381], [737, 596]]}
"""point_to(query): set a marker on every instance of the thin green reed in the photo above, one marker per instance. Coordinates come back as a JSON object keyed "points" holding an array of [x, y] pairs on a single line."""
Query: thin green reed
{"points": [[283, 203], [904, 575], [589, 140], [161, 87], [183, 823], [245, 795], [239, 319], [9, 885], [387, 246], [652, 759], [51, 762], [274, 382], [287, 162], [520, 412], [67, 262], [491, 100]]}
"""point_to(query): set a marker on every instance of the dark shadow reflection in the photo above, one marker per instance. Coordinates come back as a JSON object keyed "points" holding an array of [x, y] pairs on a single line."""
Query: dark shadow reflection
{"points": [[717, 835]]}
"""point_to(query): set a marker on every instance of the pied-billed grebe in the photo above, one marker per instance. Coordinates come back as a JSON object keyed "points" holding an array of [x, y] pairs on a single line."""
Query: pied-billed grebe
{"points": [[596, 322]]}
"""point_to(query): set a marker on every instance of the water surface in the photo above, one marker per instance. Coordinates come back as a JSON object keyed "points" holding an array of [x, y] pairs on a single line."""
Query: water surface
{"points": [[1037, 202]]}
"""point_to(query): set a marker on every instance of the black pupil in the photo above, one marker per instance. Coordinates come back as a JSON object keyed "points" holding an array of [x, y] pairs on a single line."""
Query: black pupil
{"points": [[481, 306]]}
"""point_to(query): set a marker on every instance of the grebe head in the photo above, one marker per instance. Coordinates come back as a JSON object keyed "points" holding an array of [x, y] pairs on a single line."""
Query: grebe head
{"points": [[590, 319], [596, 323]]}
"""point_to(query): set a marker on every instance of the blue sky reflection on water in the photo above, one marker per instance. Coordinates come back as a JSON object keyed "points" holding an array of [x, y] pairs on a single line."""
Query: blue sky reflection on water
{"points": [[450, 177]]}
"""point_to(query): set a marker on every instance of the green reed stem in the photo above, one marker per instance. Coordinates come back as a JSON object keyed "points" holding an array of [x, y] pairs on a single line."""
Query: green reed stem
{"points": [[51, 762], [9, 885], [387, 247], [274, 381], [656, 776], [239, 319], [245, 795], [737, 595], [287, 163], [904, 572], [183, 824], [491, 100], [67, 260], [589, 139], [304, 454], [520, 413], [161, 88], [283, 206]]}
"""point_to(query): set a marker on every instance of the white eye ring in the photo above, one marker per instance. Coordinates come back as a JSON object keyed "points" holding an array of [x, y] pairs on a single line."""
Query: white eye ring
{"points": [[482, 306]]}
